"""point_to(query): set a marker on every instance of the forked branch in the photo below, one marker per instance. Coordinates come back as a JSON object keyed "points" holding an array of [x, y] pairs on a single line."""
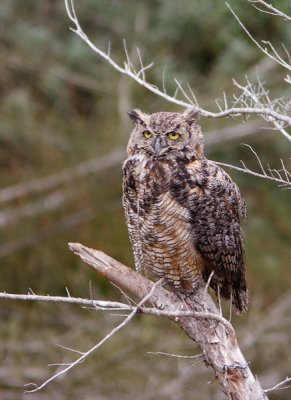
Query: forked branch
{"points": [[187, 96], [215, 336], [281, 176], [198, 317], [269, 9], [268, 49], [84, 355]]}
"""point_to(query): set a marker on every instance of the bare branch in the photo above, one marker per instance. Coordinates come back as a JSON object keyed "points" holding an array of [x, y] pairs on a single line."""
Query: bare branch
{"points": [[98, 304], [258, 175], [127, 70], [283, 176], [273, 10], [208, 283], [142, 67], [196, 357], [259, 97], [101, 305], [183, 91], [99, 344], [276, 57], [194, 99], [225, 357], [69, 349], [280, 385], [257, 157]]}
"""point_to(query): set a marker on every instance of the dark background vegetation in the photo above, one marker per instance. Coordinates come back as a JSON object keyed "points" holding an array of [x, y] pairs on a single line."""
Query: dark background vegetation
{"points": [[61, 105]]}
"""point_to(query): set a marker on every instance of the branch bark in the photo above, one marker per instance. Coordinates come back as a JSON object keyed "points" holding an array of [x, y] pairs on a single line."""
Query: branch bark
{"points": [[216, 337]]}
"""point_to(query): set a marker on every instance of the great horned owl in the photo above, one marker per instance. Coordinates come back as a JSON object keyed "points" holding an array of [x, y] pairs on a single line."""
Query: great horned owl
{"points": [[183, 211]]}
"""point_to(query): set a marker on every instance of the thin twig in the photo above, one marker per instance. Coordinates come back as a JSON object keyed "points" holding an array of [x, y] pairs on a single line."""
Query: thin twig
{"points": [[114, 305], [280, 385], [278, 59], [62, 299], [154, 89], [208, 283], [258, 97], [198, 356], [282, 181], [273, 10], [94, 348]]}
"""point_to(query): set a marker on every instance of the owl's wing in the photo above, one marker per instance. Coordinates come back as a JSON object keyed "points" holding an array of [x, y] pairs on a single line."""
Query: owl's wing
{"points": [[130, 205], [216, 208]]}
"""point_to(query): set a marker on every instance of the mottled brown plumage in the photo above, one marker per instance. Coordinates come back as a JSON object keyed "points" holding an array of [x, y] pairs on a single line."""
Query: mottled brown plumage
{"points": [[183, 211]]}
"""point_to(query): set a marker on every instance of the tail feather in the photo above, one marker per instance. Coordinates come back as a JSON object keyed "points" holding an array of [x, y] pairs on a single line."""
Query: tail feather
{"points": [[240, 300], [235, 291]]}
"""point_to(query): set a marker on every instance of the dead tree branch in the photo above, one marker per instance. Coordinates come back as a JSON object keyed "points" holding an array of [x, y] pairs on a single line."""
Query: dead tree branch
{"points": [[84, 355], [101, 305], [268, 49], [197, 316], [188, 98], [215, 338], [281, 176], [280, 386], [269, 9]]}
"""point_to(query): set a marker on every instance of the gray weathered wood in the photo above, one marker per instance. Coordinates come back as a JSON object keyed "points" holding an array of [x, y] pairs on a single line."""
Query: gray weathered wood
{"points": [[217, 340]]}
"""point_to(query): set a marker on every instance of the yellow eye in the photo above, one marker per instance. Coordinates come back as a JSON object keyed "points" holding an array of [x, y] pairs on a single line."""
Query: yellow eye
{"points": [[173, 135], [147, 134]]}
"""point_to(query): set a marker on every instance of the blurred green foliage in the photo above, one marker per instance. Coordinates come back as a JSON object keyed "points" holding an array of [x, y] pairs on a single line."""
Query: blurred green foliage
{"points": [[61, 105]]}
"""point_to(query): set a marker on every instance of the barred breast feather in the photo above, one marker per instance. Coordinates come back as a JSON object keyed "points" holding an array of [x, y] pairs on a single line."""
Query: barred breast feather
{"points": [[183, 223], [183, 211]]}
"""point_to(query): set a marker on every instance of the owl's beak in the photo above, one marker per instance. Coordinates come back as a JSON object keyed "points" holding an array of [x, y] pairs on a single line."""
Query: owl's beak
{"points": [[158, 145]]}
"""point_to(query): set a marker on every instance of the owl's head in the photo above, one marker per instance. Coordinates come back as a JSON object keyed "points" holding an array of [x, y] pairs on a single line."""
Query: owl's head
{"points": [[164, 133]]}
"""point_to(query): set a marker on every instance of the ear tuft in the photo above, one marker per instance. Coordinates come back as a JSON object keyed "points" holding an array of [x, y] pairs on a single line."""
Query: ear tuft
{"points": [[191, 115], [136, 116]]}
